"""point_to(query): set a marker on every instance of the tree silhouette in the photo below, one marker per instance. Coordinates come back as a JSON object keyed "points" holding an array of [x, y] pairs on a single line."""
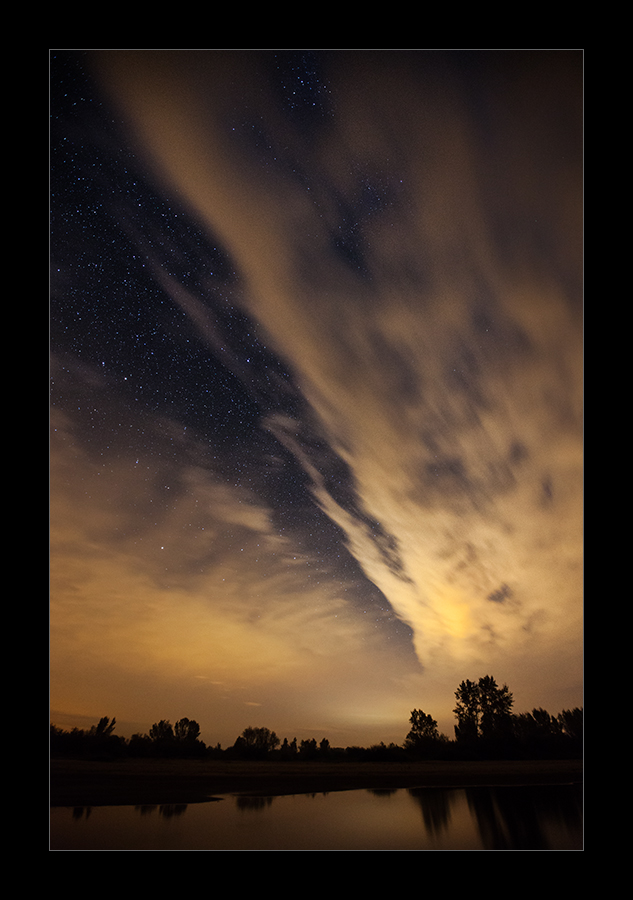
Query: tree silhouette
{"points": [[483, 710], [571, 722], [287, 751], [467, 711], [537, 734], [308, 749], [97, 743], [256, 743], [424, 735], [186, 731], [162, 731], [424, 726], [164, 740], [104, 727], [496, 704]]}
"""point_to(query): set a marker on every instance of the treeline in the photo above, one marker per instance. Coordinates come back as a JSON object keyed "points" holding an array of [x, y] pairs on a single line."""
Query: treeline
{"points": [[180, 741], [166, 742], [486, 728]]}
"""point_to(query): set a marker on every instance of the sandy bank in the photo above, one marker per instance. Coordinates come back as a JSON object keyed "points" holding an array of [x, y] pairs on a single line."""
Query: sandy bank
{"points": [[140, 782]]}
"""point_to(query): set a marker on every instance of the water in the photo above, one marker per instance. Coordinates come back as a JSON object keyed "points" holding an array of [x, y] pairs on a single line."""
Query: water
{"points": [[499, 818]]}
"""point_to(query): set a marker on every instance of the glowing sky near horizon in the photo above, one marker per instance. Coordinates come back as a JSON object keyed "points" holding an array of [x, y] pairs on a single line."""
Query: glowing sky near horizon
{"points": [[316, 358]]}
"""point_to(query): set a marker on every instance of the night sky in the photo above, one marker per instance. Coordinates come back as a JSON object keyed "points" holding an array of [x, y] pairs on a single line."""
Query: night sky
{"points": [[316, 387]]}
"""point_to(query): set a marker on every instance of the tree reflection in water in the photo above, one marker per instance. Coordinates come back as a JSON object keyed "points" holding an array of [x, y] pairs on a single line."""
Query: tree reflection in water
{"points": [[508, 818], [435, 806], [244, 801], [520, 818]]}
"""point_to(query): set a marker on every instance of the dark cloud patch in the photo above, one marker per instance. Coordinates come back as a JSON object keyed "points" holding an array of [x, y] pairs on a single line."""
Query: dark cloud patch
{"points": [[399, 367], [448, 480], [467, 480], [370, 194], [547, 491], [449, 473], [464, 378], [517, 453], [500, 595], [348, 246], [496, 336]]}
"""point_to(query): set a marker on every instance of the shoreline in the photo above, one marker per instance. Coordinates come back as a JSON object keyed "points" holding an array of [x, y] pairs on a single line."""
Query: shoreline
{"points": [[140, 782]]}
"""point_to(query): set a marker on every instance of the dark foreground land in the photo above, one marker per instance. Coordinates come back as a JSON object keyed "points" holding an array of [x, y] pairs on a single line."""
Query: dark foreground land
{"points": [[138, 782]]}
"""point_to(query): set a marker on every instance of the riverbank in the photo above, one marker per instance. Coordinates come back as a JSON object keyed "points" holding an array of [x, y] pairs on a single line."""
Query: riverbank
{"points": [[140, 782]]}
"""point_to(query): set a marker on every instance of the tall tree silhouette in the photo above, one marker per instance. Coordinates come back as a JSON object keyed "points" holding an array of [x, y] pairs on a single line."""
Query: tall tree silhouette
{"points": [[423, 730], [483, 710], [496, 706], [467, 711]]}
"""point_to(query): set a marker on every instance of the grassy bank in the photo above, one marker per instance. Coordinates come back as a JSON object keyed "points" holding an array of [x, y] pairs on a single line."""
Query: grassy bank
{"points": [[141, 781]]}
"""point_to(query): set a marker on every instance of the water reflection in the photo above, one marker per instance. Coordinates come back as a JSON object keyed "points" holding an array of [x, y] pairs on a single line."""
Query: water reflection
{"points": [[251, 803], [523, 818], [435, 806], [493, 818], [509, 818], [164, 809]]}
